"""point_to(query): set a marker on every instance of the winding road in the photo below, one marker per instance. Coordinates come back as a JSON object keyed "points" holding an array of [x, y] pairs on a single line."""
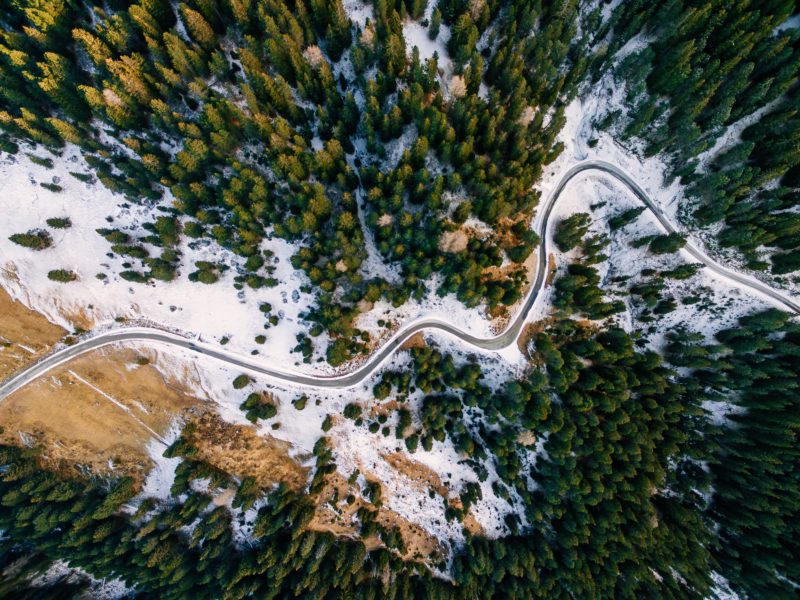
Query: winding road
{"points": [[353, 378]]}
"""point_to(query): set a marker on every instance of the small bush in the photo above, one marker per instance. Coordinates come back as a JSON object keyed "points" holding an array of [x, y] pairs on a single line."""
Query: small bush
{"points": [[62, 275], [53, 187], [132, 251], [193, 229], [84, 177], [42, 162], [59, 223], [8, 146], [256, 407], [352, 411], [204, 276], [571, 230], [133, 276], [241, 381], [624, 218], [36, 239], [115, 236], [666, 244]]}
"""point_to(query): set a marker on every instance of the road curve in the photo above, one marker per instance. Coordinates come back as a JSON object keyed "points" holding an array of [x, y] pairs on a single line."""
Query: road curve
{"points": [[352, 378]]}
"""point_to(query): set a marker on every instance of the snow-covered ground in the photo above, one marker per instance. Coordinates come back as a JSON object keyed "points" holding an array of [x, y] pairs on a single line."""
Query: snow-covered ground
{"points": [[723, 302], [355, 448], [210, 311], [416, 36], [583, 141], [99, 589]]}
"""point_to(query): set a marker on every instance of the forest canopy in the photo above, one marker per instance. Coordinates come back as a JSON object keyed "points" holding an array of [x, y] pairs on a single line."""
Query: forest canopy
{"points": [[235, 122]]}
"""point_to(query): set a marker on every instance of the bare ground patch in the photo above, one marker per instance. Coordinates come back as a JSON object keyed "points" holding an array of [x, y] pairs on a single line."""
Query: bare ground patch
{"points": [[425, 479]]}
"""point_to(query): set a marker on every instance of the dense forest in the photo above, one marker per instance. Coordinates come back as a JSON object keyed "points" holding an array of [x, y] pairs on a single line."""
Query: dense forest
{"points": [[653, 472]]}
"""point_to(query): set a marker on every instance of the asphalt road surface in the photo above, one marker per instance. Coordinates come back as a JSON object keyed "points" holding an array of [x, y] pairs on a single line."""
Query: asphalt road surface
{"points": [[353, 378]]}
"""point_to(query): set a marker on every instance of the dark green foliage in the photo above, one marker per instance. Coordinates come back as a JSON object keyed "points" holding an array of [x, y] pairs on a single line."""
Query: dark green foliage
{"points": [[62, 275], [53, 187], [241, 381], [59, 222], [352, 411], [625, 217], [245, 126], [684, 271], [258, 406], [435, 24], [667, 244], [240, 94], [578, 290], [570, 231], [691, 83], [36, 239], [616, 495], [755, 463], [327, 423]]}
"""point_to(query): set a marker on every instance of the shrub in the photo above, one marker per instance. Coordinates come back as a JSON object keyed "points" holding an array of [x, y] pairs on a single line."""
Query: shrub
{"points": [[62, 275], [241, 381], [36, 239], [59, 222], [132, 251], [204, 276], [133, 276], [624, 218], [352, 411], [8, 146], [193, 229], [257, 407], [683, 271], [84, 177], [666, 244], [115, 236], [47, 163]]}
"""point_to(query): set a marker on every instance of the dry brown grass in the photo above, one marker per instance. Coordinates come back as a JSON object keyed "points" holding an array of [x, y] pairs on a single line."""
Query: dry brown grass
{"points": [[415, 341], [241, 451], [25, 335], [424, 479], [69, 414], [454, 241], [336, 515], [551, 269]]}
